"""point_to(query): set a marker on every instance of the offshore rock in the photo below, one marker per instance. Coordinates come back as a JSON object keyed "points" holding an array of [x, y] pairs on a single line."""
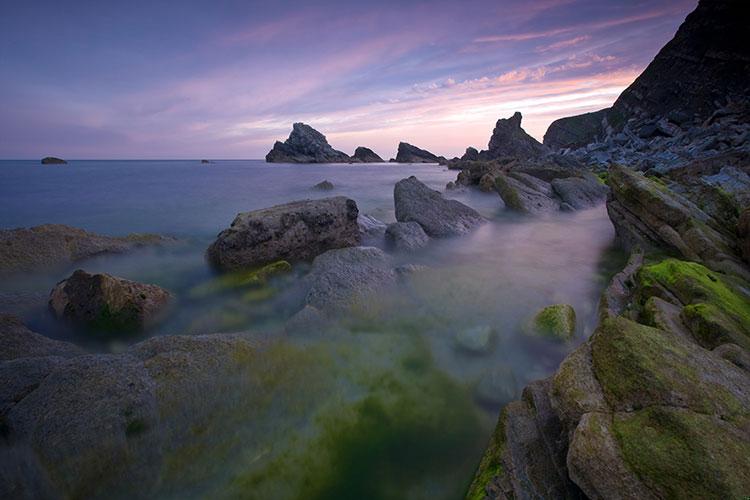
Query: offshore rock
{"points": [[510, 140], [366, 155], [305, 145], [412, 154], [52, 160]]}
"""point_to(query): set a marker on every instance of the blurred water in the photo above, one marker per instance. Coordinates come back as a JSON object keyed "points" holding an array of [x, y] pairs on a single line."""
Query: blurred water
{"points": [[496, 277]]}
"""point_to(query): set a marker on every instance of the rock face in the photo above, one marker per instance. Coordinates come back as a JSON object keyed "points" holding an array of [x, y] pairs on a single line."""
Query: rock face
{"points": [[509, 139], [471, 154], [526, 194], [406, 236], [412, 154], [54, 246], [366, 155], [52, 160], [305, 145], [300, 230], [438, 217], [107, 303], [575, 131], [743, 231], [580, 192]]}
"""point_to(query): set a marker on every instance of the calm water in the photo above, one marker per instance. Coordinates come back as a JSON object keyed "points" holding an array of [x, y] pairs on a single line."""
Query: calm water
{"points": [[385, 405]]}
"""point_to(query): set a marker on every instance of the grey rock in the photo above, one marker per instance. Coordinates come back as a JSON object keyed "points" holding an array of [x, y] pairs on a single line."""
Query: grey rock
{"points": [[52, 160], [406, 236], [438, 216], [324, 186], [17, 341], [412, 154], [509, 139], [526, 194], [305, 145], [300, 230], [52, 246], [580, 192], [108, 303], [366, 155]]}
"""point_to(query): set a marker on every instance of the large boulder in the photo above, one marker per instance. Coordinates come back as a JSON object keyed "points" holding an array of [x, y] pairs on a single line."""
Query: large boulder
{"points": [[300, 230], [305, 145], [439, 217], [580, 192], [366, 155], [108, 303], [412, 154], [526, 194], [17, 341], [510, 140], [406, 236], [51, 246]]}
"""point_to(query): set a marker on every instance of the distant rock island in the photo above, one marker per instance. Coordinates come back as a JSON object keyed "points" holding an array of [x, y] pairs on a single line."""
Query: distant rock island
{"points": [[412, 154], [53, 160], [307, 145]]}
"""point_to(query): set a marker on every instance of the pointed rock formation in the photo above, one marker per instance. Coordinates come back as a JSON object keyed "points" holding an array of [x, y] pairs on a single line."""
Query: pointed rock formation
{"points": [[305, 145], [509, 139], [412, 154], [366, 155]]}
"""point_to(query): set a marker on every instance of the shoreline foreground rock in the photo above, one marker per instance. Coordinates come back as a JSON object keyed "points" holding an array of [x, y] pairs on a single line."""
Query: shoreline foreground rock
{"points": [[296, 231]]}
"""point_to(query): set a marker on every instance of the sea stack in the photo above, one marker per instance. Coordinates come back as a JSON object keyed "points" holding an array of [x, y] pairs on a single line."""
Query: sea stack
{"points": [[305, 145]]}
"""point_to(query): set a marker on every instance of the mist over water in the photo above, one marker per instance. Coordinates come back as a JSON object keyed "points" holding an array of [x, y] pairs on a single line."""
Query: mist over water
{"points": [[385, 399]]}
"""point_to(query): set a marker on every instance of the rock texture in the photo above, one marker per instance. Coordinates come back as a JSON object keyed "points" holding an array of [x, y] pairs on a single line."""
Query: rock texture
{"points": [[53, 246], [324, 186], [300, 230], [52, 160], [412, 154], [305, 145], [17, 341], [438, 216], [576, 131], [509, 139], [107, 303], [406, 236], [366, 155]]}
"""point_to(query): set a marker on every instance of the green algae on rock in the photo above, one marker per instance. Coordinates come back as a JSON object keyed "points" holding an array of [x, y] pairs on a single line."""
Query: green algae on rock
{"points": [[555, 322], [253, 278]]}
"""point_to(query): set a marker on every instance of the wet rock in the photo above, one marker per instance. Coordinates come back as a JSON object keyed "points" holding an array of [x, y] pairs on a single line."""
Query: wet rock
{"points": [[305, 145], [476, 340], [108, 303], [617, 298], [347, 277], [526, 194], [497, 386], [406, 236], [555, 322], [371, 229], [509, 139], [324, 186], [52, 246], [17, 341], [438, 216], [412, 154], [366, 155], [580, 192], [240, 280], [205, 162], [300, 230], [52, 160], [487, 183]]}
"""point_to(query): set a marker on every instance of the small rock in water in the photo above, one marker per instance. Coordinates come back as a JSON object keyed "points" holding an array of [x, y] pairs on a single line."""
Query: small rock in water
{"points": [[557, 322], [205, 161], [477, 340], [497, 386], [52, 160], [107, 303], [324, 186]]}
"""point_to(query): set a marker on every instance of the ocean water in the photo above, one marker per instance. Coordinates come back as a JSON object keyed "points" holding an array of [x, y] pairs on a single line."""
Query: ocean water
{"points": [[386, 405]]}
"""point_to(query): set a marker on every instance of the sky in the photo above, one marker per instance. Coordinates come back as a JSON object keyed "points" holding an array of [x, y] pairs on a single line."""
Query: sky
{"points": [[225, 79]]}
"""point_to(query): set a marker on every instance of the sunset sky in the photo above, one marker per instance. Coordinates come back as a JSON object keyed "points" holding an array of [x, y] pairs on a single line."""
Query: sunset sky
{"points": [[215, 79]]}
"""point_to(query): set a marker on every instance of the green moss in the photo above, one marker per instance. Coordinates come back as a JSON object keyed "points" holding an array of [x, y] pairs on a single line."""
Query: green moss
{"points": [[556, 322], [109, 321], [602, 177], [491, 465], [682, 454], [240, 280], [508, 193], [715, 309]]}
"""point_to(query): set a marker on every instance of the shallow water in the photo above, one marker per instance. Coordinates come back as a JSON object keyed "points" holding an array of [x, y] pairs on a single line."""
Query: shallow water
{"points": [[386, 405]]}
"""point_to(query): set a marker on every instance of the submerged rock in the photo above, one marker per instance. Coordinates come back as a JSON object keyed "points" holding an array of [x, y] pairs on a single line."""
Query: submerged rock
{"points": [[438, 216], [305, 145], [366, 155], [300, 230], [371, 229], [107, 303], [477, 340], [497, 386], [244, 279], [324, 186], [412, 154], [556, 322], [406, 236], [52, 160], [51, 246], [743, 233]]}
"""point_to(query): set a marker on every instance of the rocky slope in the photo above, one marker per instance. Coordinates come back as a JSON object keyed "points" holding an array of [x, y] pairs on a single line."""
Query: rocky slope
{"points": [[305, 145]]}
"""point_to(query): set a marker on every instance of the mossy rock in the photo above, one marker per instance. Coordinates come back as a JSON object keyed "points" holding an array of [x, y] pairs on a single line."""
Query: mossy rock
{"points": [[509, 194], [679, 453], [716, 308], [556, 322], [239, 280], [491, 465]]}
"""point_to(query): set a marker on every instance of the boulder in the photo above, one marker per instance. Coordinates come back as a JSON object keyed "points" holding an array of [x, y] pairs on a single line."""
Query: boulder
{"points": [[555, 322], [348, 277], [580, 192], [412, 154], [300, 230], [107, 303], [526, 194], [305, 145], [510, 140], [366, 155], [17, 341], [475, 340], [439, 217], [406, 236], [54, 246], [324, 186], [52, 160]]}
